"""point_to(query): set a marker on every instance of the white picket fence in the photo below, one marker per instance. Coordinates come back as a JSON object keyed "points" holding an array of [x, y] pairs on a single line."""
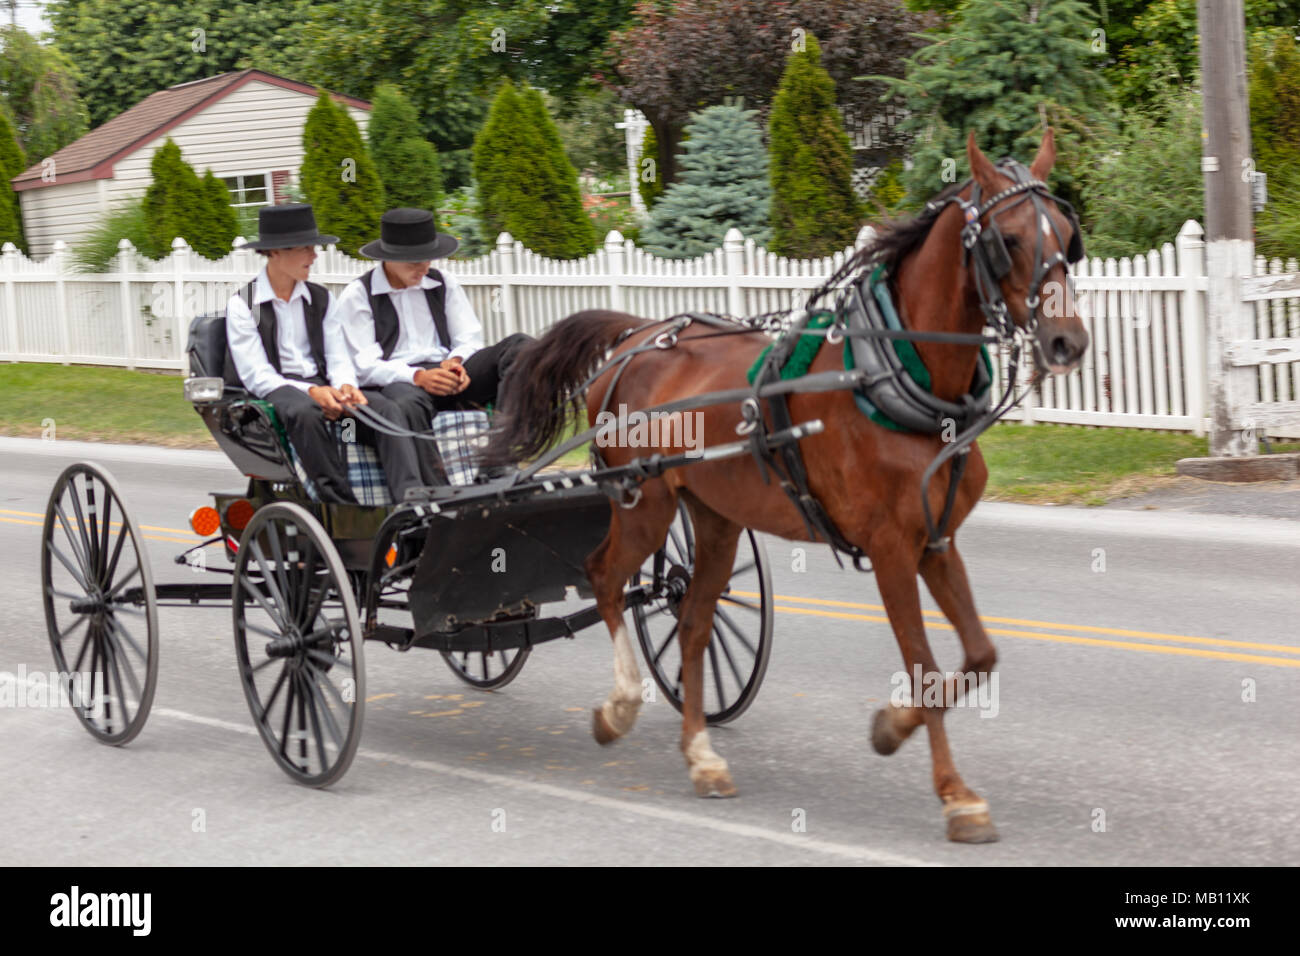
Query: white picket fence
{"points": [[1146, 367]]}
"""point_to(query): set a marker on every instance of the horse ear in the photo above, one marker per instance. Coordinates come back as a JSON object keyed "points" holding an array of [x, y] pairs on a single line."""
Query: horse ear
{"points": [[980, 167], [1042, 164]]}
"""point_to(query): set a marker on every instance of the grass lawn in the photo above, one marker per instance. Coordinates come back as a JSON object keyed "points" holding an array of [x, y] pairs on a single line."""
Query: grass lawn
{"points": [[99, 404], [1066, 464]]}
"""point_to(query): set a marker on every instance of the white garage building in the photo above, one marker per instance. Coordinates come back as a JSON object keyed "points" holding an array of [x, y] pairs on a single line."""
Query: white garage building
{"points": [[246, 127]]}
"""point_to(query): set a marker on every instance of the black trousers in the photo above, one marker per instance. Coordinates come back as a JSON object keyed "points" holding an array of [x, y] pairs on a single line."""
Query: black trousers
{"points": [[397, 455], [305, 422], [487, 370]]}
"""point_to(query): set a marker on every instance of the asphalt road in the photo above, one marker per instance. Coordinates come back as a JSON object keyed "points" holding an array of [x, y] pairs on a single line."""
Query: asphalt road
{"points": [[1120, 698]]}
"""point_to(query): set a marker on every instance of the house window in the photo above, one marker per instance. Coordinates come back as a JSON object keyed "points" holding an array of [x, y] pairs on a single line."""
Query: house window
{"points": [[250, 190]]}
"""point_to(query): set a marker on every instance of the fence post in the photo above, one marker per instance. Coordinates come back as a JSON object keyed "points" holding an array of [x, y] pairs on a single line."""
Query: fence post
{"points": [[614, 259], [506, 269], [125, 260], [1191, 267], [10, 260], [180, 264], [61, 297], [733, 245]]}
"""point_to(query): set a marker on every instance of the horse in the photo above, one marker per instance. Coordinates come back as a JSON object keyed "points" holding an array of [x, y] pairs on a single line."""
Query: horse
{"points": [[865, 476]]}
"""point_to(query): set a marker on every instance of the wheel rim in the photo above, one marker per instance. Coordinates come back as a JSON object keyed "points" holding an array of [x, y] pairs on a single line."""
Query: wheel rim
{"points": [[487, 670], [100, 607], [298, 644], [741, 642]]}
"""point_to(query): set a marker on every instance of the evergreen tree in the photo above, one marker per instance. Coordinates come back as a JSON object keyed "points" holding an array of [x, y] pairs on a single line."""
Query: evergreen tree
{"points": [[173, 202], [339, 177], [1275, 104], [1003, 68], [814, 208], [526, 186], [407, 162], [648, 181], [12, 162], [721, 182], [216, 227]]}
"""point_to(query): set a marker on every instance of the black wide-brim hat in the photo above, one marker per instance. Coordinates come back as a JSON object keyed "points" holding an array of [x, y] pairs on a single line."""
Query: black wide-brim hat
{"points": [[287, 227], [409, 235]]}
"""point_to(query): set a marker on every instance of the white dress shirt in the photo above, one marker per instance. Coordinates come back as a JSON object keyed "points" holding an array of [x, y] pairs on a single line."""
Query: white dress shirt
{"points": [[255, 369], [417, 338]]}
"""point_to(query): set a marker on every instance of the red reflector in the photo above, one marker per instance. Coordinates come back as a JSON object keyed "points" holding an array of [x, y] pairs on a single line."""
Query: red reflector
{"points": [[239, 513]]}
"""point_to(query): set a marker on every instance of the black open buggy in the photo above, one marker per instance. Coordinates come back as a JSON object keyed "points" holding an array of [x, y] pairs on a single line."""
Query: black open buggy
{"points": [[463, 569]]}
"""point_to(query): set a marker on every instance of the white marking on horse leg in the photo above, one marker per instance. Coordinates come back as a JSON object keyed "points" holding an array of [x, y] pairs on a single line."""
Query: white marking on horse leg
{"points": [[701, 759], [624, 701]]}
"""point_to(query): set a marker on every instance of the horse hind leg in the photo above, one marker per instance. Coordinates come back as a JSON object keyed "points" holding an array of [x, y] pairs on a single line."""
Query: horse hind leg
{"points": [[715, 553], [633, 536]]}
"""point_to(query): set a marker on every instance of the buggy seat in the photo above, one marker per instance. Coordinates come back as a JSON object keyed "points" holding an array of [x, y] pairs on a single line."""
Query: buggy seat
{"points": [[251, 435]]}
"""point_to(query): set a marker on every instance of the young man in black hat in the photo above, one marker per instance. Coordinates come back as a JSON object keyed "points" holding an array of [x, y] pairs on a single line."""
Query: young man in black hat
{"points": [[293, 355], [412, 334]]}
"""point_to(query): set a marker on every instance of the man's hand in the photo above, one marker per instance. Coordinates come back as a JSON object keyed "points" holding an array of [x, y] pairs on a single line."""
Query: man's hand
{"points": [[328, 399], [439, 381], [457, 367], [351, 395]]}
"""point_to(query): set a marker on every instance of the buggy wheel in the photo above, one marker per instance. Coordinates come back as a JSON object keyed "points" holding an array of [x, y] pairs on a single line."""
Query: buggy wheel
{"points": [[487, 670], [298, 644], [100, 607], [741, 642]]}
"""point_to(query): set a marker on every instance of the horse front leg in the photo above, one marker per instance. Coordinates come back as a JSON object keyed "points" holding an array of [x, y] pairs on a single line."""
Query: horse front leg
{"points": [[966, 813], [715, 554]]}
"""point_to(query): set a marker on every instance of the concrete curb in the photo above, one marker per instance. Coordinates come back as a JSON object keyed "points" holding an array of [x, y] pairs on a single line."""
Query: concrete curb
{"points": [[1253, 468]]}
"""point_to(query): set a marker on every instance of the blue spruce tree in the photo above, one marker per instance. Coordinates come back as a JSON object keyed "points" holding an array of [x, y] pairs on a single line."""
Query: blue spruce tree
{"points": [[721, 182]]}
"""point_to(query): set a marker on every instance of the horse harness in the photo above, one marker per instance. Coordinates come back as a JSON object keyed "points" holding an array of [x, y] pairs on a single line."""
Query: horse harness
{"points": [[879, 374]]}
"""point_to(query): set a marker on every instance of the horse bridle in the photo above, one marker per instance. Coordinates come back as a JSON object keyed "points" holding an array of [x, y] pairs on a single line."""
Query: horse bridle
{"points": [[985, 247]]}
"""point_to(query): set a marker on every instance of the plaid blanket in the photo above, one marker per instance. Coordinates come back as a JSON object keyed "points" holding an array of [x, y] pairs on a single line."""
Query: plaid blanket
{"points": [[459, 435]]}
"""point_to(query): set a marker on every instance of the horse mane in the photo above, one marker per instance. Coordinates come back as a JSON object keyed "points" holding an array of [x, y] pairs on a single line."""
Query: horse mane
{"points": [[900, 237]]}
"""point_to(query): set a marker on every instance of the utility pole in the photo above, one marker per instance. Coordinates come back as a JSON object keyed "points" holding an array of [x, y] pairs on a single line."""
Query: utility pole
{"points": [[1229, 240]]}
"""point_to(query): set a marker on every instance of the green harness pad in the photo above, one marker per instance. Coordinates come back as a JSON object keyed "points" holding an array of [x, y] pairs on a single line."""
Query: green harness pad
{"points": [[805, 350]]}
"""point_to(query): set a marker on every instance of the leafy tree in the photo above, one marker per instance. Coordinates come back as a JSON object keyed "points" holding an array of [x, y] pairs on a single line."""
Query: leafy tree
{"points": [[1158, 38], [814, 208], [1126, 215], [697, 53], [12, 162], [449, 55], [339, 177], [136, 47], [407, 163], [1004, 68], [586, 126], [173, 203], [723, 183], [525, 184], [216, 222], [1275, 104], [12, 158], [39, 86], [648, 181], [95, 250]]}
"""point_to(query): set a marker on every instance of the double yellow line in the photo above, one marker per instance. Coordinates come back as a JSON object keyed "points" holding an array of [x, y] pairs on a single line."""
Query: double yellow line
{"points": [[1160, 643], [21, 518]]}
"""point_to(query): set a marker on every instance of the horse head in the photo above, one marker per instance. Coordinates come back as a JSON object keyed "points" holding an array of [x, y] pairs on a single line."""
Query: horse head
{"points": [[1023, 239]]}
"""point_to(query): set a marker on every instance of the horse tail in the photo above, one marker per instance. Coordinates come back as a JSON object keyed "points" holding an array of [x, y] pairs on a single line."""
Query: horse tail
{"points": [[542, 392]]}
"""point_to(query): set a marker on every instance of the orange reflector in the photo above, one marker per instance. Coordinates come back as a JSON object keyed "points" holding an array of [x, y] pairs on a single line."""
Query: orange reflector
{"points": [[205, 521], [391, 556], [238, 513]]}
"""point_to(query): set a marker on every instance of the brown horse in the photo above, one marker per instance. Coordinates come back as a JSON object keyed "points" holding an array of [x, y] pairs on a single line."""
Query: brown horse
{"points": [[867, 477]]}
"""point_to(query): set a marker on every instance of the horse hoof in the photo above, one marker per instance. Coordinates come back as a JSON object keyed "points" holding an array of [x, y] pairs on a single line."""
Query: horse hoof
{"points": [[600, 728], [713, 784], [970, 823], [883, 737]]}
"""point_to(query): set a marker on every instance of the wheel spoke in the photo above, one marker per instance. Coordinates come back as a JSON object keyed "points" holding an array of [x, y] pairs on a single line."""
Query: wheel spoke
{"points": [[120, 659], [268, 579], [123, 583], [726, 652], [122, 533], [126, 636], [74, 540], [246, 583], [264, 631], [739, 602], [107, 526], [81, 523], [663, 647], [735, 629], [684, 556], [275, 691], [81, 655], [63, 559], [315, 721], [93, 537], [288, 712], [326, 713], [744, 569], [717, 676]]}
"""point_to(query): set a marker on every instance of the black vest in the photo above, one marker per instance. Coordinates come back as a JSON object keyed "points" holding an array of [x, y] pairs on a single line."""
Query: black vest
{"points": [[313, 311], [384, 312]]}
